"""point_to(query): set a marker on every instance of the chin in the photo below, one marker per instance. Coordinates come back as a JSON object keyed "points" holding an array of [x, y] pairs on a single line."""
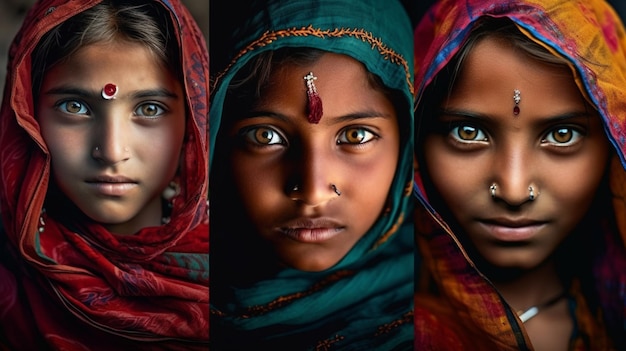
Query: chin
{"points": [[310, 265]]}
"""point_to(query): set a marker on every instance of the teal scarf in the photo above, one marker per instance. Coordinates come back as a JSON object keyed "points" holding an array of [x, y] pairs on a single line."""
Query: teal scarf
{"points": [[365, 300]]}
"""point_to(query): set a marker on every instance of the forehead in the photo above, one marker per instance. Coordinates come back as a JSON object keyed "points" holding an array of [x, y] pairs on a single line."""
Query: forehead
{"points": [[112, 59], [132, 67], [342, 82], [494, 69]]}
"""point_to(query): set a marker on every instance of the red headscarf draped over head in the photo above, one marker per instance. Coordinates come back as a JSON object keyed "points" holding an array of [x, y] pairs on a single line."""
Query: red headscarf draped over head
{"points": [[84, 287]]}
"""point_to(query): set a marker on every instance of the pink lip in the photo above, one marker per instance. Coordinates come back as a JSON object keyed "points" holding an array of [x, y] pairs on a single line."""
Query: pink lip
{"points": [[112, 185], [509, 230], [311, 230]]}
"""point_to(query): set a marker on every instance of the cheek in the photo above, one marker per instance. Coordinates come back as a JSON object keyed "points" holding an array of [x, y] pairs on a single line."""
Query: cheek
{"points": [[378, 177], [257, 183], [166, 153], [452, 178], [66, 150], [575, 187]]}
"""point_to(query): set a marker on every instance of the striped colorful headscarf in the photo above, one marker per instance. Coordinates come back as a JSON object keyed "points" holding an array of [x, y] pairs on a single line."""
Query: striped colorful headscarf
{"points": [[364, 301], [466, 312]]}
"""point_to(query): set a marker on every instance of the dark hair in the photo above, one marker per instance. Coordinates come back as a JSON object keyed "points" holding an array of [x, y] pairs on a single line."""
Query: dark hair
{"points": [[110, 21]]}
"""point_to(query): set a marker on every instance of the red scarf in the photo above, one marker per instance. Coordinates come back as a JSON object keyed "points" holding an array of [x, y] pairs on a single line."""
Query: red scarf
{"points": [[75, 285]]}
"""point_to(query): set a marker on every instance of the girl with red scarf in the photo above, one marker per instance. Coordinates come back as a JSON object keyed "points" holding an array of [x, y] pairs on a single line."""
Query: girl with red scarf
{"points": [[104, 179]]}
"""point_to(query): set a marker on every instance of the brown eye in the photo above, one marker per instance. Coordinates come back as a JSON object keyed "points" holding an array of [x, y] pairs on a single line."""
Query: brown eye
{"points": [[467, 132], [355, 136], [562, 135], [149, 110], [73, 107], [262, 136]]}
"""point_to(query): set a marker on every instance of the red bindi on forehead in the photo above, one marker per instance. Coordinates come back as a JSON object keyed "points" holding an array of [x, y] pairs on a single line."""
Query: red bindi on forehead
{"points": [[109, 91], [314, 102]]}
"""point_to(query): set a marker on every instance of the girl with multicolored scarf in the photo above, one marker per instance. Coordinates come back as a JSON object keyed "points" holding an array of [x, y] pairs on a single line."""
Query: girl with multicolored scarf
{"points": [[521, 152]]}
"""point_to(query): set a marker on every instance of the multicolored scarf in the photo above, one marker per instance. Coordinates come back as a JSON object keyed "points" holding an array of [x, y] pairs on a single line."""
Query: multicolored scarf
{"points": [[364, 301], [466, 312], [76, 286]]}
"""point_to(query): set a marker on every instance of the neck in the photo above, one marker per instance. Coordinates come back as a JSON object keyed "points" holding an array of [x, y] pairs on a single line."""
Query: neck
{"points": [[531, 288]]}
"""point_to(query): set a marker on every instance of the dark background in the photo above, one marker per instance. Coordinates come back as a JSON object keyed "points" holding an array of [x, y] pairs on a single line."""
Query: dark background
{"points": [[225, 14]]}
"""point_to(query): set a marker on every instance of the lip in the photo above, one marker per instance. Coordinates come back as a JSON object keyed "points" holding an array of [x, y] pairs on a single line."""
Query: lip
{"points": [[512, 230], [311, 230], [112, 185]]}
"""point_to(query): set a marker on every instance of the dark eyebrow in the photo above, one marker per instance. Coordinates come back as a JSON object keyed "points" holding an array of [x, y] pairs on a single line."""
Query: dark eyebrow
{"points": [[254, 114], [89, 94], [67, 90], [462, 113], [473, 115], [340, 119], [162, 92], [361, 115]]}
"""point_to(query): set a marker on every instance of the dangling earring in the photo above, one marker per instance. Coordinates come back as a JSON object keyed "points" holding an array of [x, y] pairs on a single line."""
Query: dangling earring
{"points": [[42, 222], [172, 190], [169, 193]]}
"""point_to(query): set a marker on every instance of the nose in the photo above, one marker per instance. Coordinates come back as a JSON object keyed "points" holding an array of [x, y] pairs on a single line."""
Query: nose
{"points": [[514, 170], [111, 139], [312, 183]]}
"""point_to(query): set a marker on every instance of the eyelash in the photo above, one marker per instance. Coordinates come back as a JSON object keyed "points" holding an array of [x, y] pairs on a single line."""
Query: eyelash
{"points": [[60, 105], [252, 134], [575, 134], [575, 137], [63, 105], [159, 106], [456, 128]]}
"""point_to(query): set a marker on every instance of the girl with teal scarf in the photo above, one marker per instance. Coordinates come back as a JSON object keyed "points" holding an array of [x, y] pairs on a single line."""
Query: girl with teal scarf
{"points": [[310, 179]]}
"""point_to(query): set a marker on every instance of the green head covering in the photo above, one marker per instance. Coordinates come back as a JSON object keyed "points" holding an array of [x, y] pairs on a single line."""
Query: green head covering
{"points": [[366, 299]]}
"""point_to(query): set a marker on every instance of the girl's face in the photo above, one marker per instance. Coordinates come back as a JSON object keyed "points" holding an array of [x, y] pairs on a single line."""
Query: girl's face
{"points": [[354, 147], [113, 157], [556, 145]]}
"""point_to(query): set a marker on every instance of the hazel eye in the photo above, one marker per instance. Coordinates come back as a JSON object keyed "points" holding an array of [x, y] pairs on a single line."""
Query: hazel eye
{"points": [[149, 110], [263, 136], [465, 133], [73, 107], [563, 136], [355, 135]]}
